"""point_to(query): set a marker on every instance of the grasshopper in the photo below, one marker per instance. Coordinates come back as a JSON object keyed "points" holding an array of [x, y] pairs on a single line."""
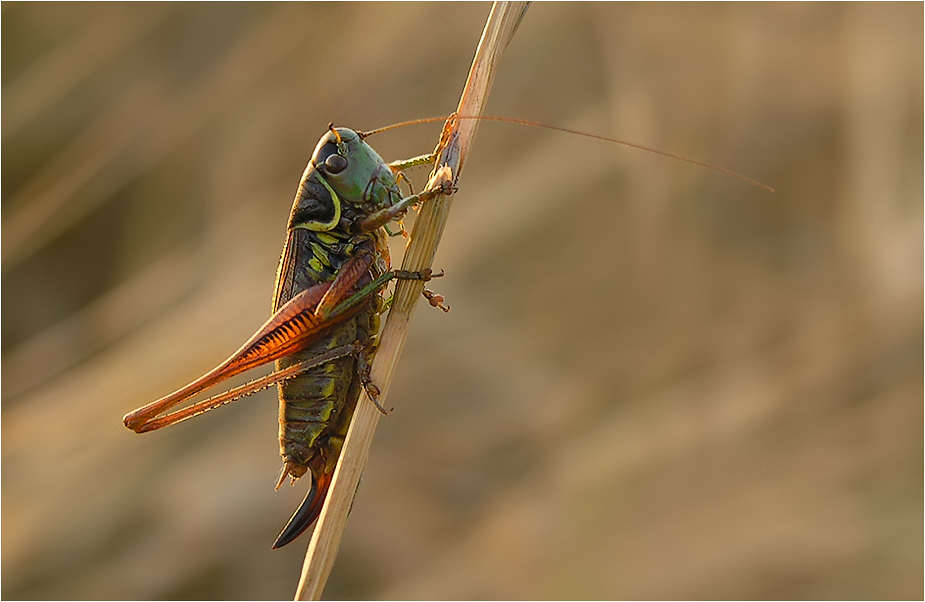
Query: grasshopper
{"points": [[326, 306]]}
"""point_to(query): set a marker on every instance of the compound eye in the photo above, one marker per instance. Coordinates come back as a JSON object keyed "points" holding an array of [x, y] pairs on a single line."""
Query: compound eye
{"points": [[335, 164]]}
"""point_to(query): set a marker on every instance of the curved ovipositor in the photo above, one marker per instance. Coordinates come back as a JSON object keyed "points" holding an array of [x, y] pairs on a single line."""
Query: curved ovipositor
{"points": [[307, 511]]}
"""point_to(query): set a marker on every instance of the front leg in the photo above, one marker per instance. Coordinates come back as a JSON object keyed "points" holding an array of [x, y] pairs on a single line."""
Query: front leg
{"points": [[397, 166], [380, 218]]}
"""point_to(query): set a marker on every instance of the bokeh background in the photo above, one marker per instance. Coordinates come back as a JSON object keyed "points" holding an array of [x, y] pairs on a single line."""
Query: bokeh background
{"points": [[656, 381]]}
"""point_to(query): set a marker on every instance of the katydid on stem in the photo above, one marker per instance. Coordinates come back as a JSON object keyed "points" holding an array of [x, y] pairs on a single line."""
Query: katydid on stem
{"points": [[328, 299]]}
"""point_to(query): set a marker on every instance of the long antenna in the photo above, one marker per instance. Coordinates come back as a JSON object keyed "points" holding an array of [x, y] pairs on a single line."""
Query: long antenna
{"points": [[715, 168]]}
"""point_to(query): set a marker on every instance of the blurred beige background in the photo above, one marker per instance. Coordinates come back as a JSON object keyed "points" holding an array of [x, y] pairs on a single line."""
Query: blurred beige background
{"points": [[656, 381]]}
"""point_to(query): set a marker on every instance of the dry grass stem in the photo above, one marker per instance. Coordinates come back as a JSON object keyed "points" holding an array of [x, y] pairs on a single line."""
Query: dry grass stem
{"points": [[499, 29]]}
